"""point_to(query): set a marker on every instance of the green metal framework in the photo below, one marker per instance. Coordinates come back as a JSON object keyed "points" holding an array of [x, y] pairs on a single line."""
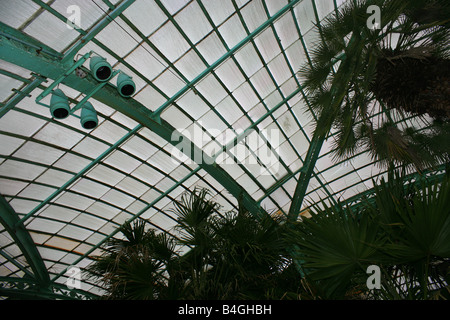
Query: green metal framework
{"points": [[231, 64]]}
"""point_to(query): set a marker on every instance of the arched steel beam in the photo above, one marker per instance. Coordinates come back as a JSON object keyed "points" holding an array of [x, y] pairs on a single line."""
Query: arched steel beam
{"points": [[9, 219], [51, 66]]}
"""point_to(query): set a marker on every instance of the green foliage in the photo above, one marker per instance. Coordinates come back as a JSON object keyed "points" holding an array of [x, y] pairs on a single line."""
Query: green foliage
{"points": [[405, 231], [361, 82], [231, 255]]}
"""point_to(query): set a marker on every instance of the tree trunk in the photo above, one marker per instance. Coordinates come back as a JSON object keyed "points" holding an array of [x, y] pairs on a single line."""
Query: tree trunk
{"points": [[414, 81]]}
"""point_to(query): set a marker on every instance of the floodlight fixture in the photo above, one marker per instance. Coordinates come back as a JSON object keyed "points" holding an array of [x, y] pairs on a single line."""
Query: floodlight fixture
{"points": [[59, 105], [88, 118], [125, 85], [100, 68]]}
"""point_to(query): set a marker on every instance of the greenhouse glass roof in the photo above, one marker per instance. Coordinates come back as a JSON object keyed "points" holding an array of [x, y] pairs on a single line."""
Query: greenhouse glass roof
{"points": [[217, 104]]}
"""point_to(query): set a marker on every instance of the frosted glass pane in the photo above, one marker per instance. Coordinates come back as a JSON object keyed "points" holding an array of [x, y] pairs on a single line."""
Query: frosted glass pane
{"points": [[150, 98], [58, 213], [89, 10], [193, 105], [120, 39], [75, 201], [280, 197], [39, 153], [146, 61], [6, 86], [267, 44], [174, 5], [38, 192], [288, 124], [9, 144], [190, 65], [232, 31], [147, 174], [280, 70], [230, 75], [254, 15], [246, 96], [199, 29], [71, 162], [11, 187], [50, 30], [59, 135], [169, 41], [262, 82], [89, 221], [229, 110], [75, 232], [304, 13], [275, 5], [21, 170], [103, 210], [211, 89], [324, 8], [163, 162], [109, 132], [169, 83], [140, 148], [45, 225], [117, 198], [90, 147], [122, 161], [213, 123], [146, 16], [20, 123], [16, 12], [62, 243], [219, 10], [54, 177], [106, 175], [248, 59], [176, 118], [211, 48], [90, 188], [286, 30], [132, 186]]}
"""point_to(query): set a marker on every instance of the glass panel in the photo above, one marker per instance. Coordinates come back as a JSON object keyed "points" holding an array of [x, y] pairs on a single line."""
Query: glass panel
{"points": [[199, 29], [51, 31], [16, 12]]}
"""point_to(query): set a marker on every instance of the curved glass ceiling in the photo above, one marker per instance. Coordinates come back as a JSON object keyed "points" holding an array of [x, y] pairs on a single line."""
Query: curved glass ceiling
{"points": [[214, 78]]}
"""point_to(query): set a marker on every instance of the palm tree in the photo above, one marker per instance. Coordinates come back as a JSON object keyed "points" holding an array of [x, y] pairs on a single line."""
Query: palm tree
{"points": [[430, 12], [363, 82], [404, 230], [133, 268], [231, 255]]}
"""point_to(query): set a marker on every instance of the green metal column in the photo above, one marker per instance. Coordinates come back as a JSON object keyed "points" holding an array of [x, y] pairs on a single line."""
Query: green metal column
{"points": [[305, 176]]}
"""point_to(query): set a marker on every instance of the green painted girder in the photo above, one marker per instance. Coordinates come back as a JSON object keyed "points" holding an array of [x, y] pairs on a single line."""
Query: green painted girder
{"points": [[22, 238], [28, 57], [21, 288], [305, 176], [20, 95], [70, 54]]}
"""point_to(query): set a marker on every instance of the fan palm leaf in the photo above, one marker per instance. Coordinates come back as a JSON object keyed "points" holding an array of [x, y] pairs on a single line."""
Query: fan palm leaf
{"points": [[358, 76]]}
